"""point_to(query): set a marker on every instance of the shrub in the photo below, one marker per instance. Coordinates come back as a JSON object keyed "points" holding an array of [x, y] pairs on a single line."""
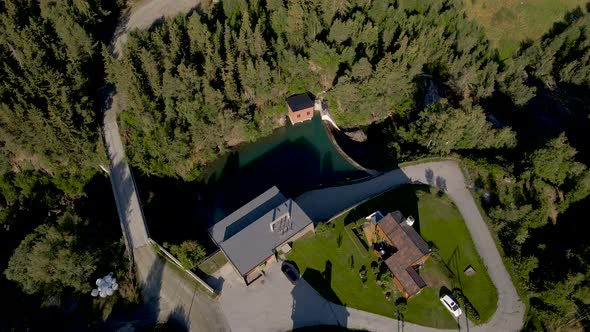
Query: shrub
{"points": [[376, 268], [466, 305], [363, 273], [386, 281], [322, 229], [339, 240], [189, 253]]}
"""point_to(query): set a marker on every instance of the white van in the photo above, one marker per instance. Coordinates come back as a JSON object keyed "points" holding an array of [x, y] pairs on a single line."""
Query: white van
{"points": [[452, 305]]}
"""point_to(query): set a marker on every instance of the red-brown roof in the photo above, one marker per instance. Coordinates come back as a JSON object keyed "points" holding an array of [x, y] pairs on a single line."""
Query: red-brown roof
{"points": [[411, 248], [410, 280]]}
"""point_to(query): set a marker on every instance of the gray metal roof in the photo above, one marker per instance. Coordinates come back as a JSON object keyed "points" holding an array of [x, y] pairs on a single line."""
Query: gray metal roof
{"points": [[251, 238], [299, 102], [247, 214]]}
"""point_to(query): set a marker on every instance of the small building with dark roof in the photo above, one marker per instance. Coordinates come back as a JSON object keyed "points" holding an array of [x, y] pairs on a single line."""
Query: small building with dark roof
{"points": [[300, 107], [410, 251], [250, 236]]}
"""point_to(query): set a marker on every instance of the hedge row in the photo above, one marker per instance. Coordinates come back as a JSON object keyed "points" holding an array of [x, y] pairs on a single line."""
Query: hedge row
{"points": [[466, 305]]}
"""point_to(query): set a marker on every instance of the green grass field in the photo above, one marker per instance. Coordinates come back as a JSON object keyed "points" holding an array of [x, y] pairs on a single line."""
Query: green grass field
{"points": [[442, 224], [508, 22], [213, 263], [326, 266]]}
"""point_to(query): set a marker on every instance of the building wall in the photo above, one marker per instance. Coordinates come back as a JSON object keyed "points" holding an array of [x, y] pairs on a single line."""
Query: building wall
{"points": [[256, 272], [300, 116], [271, 260], [252, 276]]}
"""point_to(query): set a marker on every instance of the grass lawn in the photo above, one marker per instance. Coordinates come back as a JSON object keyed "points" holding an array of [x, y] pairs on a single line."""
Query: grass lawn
{"points": [[325, 259], [213, 263], [508, 22], [442, 225]]}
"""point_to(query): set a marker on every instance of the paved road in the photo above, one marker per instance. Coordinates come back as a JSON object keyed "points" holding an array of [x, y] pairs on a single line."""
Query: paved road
{"points": [[166, 291], [132, 220], [128, 206], [274, 304], [170, 293], [326, 203]]}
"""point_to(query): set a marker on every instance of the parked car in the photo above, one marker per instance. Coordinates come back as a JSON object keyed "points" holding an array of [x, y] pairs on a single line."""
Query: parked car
{"points": [[452, 305], [290, 271]]}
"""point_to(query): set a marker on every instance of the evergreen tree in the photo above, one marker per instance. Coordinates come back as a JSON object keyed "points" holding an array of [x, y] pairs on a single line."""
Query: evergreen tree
{"points": [[48, 116], [53, 258], [443, 129], [555, 162]]}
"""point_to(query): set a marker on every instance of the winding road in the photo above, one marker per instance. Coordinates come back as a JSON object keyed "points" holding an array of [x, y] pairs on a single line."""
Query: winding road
{"points": [[324, 204], [168, 293], [274, 304]]}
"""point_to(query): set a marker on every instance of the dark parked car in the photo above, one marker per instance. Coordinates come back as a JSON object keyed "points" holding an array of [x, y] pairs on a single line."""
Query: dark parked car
{"points": [[290, 271]]}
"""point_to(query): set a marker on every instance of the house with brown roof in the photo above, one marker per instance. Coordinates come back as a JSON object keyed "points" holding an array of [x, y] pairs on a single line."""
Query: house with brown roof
{"points": [[403, 250], [300, 108]]}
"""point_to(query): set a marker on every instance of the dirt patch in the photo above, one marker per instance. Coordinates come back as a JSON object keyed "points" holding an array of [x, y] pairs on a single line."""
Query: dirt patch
{"points": [[436, 274], [145, 13], [370, 233]]}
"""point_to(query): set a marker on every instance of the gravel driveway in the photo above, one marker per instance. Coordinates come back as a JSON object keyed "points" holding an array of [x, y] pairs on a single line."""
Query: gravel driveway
{"points": [[274, 304], [324, 204]]}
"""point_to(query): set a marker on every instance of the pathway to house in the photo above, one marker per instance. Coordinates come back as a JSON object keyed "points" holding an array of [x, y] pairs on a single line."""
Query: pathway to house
{"points": [[325, 203], [273, 304]]}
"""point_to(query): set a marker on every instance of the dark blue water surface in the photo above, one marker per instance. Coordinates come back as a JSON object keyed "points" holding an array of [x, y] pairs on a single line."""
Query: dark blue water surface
{"points": [[295, 158]]}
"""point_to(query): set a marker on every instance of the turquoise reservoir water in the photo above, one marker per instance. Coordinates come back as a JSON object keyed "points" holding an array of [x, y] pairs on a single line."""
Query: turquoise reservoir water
{"points": [[294, 158]]}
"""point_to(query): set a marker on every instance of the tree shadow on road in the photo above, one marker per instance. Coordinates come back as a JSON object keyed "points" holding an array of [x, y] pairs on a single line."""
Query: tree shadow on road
{"points": [[441, 184], [123, 190], [308, 309], [404, 199], [321, 282], [177, 321], [151, 289], [147, 314]]}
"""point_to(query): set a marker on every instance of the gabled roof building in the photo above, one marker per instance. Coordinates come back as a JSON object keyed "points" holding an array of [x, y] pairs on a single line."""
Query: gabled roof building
{"points": [[250, 236], [410, 252], [300, 107]]}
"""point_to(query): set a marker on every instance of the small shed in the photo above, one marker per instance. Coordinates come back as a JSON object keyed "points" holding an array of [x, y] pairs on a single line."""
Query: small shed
{"points": [[300, 108], [469, 271]]}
